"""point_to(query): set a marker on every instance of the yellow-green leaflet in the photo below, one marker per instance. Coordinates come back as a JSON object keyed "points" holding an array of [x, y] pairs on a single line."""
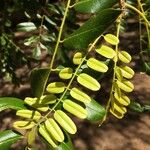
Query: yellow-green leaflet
{"points": [[65, 121], [31, 136], [120, 109], [116, 114], [48, 99], [77, 58], [97, 65], [125, 85], [79, 95], [30, 101], [56, 87], [42, 108], [118, 73], [112, 39], [23, 124], [35, 115], [124, 56], [54, 129], [88, 82], [66, 73], [123, 99], [43, 131], [106, 51], [127, 72], [75, 109]]}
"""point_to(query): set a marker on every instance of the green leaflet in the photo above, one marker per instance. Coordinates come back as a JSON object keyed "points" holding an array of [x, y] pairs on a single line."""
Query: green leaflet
{"points": [[46, 135], [111, 39], [30, 114], [123, 99], [75, 109], [26, 26], [97, 65], [23, 124], [79, 95], [54, 129], [106, 51], [38, 81], [65, 121], [127, 72], [56, 87], [118, 73], [116, 113], [125, 85], [88, 82], [124, 56], [66, 73], [11, 102], [7, 138], [95, 111], [77, 58]]}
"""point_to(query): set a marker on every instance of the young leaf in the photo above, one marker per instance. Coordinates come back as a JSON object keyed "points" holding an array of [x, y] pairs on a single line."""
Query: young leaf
{"points": [[54, 129], [75, 109], [127, 72], [123, 99], [66, 73], [92, 6], [111, 39], [46, 135], [23, 124], [7, 138], [106, 51], [30, 114], [77, 58], [48, 99], [125, 85], [56, 87], [97, 65], [32, 136], [38, 81], [79, 95], [11, 102], [65, 121], [116, 113], [88, 82], [120, 109], [95, 111], [124, 56], [94, 27]]}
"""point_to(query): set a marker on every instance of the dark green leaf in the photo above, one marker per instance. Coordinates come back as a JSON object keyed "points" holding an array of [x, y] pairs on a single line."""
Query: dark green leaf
{"points": [[147, 67], [95, 111], [135, 106], [11, 102], [95, 26], [67, 144], [7, 138], [38, 81], [147, 108], [92, 6]]}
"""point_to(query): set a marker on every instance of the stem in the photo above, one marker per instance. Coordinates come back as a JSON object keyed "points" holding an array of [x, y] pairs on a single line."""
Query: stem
{"points": [[114, 75], [146, 25], [139, 12], [60, 33]]}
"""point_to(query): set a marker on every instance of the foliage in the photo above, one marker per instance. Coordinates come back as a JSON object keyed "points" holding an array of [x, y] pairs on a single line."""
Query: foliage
{"points": [[52, 27]]}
